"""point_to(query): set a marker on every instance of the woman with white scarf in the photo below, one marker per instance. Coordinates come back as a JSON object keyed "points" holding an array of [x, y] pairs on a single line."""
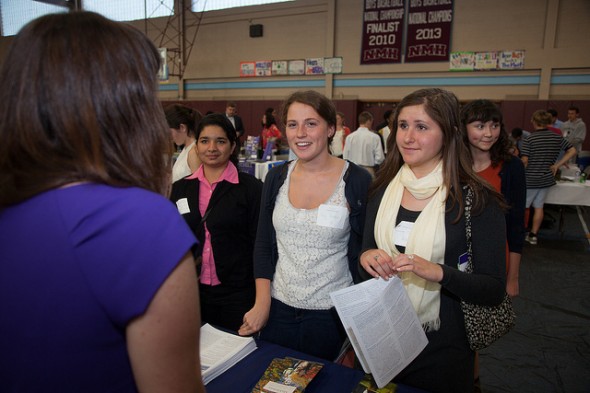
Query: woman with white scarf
{"points": [[415, 228]]}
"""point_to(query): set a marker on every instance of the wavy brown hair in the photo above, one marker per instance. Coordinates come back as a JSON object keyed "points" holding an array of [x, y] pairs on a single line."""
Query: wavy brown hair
{"points": [[319, 102], [79, 104], [443, 107]]}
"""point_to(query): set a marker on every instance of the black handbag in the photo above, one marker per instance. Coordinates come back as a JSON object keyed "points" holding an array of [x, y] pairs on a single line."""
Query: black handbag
{"points": [[483, 324]]}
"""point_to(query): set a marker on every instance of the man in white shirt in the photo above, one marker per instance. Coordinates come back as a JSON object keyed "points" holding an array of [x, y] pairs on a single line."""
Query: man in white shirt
{"points": [[363, 147]]}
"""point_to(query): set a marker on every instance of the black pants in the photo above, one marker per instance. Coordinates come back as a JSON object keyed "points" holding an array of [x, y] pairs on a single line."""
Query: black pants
{"points": [[224, 306]]}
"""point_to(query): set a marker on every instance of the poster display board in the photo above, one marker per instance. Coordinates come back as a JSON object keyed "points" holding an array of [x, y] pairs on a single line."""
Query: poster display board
{"points": [[428, 36], [383, 27]]}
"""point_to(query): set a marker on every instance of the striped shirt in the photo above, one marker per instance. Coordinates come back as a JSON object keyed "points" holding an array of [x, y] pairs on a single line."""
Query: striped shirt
{"points": [[542, 148]]}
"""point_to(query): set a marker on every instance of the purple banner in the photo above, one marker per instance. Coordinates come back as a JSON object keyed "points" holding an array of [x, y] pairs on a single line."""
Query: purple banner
{"points": [[429, 30], [383, 26]]}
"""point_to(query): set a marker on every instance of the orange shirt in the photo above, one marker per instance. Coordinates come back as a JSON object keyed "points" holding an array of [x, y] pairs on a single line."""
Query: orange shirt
{"points": [[492, 176]]}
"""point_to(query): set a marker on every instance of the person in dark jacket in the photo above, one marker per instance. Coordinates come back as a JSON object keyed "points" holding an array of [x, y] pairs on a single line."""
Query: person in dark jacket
{"points": [[415, 228], [489, 145], [221, 206]]}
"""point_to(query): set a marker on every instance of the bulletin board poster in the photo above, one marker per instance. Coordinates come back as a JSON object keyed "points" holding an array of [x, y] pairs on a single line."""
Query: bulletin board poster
{"points": [[264, 68], [296, 67], [280, 67], [511, 60], [247, 68], [333, 65], [383, 30], [486, 61], [462, 61], [429, 30], [314, 66]]}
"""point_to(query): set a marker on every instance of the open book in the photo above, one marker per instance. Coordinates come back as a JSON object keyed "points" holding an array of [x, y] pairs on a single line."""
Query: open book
{"points": [[221, 350], [382, 326]]}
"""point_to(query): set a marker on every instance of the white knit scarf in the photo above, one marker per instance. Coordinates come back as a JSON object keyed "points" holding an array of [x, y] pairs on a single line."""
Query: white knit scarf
{"points": [[426, 239]]}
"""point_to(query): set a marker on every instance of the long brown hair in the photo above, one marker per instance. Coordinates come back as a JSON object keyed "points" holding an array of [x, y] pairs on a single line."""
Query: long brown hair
{"points": [[79, 103], [443, 107]]}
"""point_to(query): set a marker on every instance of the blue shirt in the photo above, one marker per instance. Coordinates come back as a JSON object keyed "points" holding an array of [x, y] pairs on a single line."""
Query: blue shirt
{"points": [[77, 265]]}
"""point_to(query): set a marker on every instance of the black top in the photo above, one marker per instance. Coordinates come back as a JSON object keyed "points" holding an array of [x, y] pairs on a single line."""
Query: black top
{"points": [[446, 364]]}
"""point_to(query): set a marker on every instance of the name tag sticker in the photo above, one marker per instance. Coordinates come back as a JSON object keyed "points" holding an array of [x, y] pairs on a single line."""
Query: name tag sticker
{"points": [[332, 216], [275, 387], [402, 233], [182, 205], [463, 259]]}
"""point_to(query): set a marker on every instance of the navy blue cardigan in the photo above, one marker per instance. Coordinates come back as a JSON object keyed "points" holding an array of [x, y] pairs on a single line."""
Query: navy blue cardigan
{"points": [[266, 253], [513, 188]]}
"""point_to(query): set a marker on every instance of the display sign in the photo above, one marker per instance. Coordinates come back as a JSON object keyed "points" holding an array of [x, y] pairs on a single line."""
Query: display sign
{"points": [[383, 26], [429, 30]]}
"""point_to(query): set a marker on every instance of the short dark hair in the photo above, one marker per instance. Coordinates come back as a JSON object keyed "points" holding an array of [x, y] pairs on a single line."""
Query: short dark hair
{"points": [[552, 111], [79, 103], [365, 117], [516, 132], [574, 108]]}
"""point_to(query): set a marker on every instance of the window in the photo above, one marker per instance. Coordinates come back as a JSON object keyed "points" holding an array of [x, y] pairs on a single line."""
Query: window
{"points": [[210, 5], [17, 13], [130, 9]]}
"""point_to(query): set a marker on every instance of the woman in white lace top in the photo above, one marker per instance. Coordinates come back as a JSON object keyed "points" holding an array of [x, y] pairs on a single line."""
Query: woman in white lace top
{"points": [[183, 122], [309, 234]]}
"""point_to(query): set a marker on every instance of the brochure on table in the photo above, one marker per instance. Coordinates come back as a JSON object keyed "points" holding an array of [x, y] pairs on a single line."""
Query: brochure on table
{"points": [[221, 350]]}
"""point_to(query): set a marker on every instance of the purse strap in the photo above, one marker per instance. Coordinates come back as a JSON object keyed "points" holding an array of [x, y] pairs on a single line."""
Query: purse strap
{"points": [[468, 204]]}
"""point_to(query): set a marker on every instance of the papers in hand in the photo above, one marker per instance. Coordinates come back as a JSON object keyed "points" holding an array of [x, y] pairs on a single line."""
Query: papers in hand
{"points": [[221, 350], [382, 326]]}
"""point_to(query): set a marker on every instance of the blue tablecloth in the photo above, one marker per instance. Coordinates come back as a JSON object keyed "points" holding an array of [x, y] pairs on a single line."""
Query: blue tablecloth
{"points": [[333, 378], [244, 375]]}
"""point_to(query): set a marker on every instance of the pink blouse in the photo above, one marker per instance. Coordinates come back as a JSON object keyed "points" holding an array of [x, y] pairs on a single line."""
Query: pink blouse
{"points": [[230, 174]]}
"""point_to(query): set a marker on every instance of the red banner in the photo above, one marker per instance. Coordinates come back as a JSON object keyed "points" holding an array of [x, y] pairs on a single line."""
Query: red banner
{"points": [[383, 26], [429, 30]]}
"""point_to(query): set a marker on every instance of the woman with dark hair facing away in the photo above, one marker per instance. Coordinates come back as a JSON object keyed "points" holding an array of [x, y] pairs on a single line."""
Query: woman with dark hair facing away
{"points": [[221, 206], [488, 142], [415, 228], [183, 122], [309, 234], [106, 298], [339, 138]]}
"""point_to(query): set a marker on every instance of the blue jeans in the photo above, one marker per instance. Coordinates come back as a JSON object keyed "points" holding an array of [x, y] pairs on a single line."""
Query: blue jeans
{"points": [[314, 332]]}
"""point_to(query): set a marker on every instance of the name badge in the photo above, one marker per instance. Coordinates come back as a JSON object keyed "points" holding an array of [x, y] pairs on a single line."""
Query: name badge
{"points": [[182, 205], [332, 216], [402, 233]]}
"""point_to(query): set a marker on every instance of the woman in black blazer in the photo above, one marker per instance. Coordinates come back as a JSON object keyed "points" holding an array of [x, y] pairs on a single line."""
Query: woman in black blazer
{"points": [[221, 207]]}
